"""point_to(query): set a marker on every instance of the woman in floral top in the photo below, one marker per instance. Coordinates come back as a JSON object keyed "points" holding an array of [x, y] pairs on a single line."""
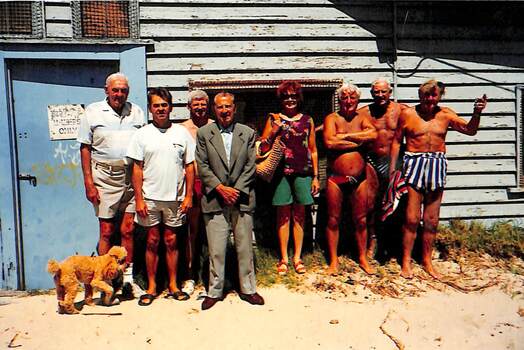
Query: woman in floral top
{"points": [[297, 183]]}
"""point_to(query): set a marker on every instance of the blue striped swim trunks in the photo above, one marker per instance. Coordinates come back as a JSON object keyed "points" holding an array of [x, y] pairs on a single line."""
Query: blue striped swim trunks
{"points": [[425, 171]]}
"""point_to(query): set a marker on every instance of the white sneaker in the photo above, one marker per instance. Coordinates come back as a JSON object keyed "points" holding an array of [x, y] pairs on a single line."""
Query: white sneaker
{"points": [[188, 287]]}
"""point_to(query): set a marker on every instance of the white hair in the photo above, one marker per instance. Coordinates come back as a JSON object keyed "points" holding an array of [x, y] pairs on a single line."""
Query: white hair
{"points": [[381, 80], [197, 95], [350, 87], [116, 76]]}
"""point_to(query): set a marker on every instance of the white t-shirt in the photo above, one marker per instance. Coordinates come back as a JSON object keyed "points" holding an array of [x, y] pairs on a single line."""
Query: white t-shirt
{"points": [[164, 152], [107, 132]]}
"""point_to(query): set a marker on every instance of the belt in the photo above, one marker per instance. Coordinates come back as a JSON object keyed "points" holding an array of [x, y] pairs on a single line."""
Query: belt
{"points": [[109, 167]]}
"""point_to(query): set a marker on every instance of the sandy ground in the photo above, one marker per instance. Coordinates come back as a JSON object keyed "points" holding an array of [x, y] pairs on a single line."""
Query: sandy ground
{"points": [[445, 319]]}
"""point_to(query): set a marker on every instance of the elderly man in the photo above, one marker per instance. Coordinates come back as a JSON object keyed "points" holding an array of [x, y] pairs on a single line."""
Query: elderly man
{"points": [[163, 174], [198, 105], [424, 165], [105, 130], [345, 132], [225, 154], [384, 115]]}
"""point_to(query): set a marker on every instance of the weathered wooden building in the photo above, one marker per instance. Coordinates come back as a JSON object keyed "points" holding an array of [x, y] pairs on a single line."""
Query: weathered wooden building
{"points": [[247, 46]]}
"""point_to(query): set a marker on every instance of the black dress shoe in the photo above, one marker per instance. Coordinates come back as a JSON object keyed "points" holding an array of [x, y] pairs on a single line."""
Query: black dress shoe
{"points": [[253, 299], [209, 302]]}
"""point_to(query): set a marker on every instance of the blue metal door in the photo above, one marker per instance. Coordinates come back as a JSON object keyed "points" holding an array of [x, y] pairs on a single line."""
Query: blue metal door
{"points": [[56, 220]]}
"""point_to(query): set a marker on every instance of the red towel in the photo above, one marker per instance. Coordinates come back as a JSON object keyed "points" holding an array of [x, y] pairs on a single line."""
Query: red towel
{"points": [[396, 188]]}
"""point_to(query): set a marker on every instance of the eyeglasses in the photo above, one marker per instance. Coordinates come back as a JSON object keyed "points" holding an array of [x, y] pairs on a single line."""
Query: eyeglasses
{"points": [[287, 96]]}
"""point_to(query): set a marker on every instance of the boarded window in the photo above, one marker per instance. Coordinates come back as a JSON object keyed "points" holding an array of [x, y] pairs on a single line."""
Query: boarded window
{"points": [[520, 135], [20, 19], [105, 19]]}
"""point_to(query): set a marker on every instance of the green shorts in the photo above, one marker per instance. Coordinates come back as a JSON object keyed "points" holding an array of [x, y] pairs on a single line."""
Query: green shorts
{"points": [[293, 189]]}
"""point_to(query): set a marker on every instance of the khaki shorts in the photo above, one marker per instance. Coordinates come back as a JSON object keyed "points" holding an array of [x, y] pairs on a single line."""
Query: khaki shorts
{"points": [[114, 188], [166, 212]]}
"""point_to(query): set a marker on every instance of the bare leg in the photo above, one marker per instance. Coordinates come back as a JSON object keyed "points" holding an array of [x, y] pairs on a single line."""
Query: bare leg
{"points": [[283, 221], [372, 191], [107, 227], [410, 230], [194, 227], [171, 256], [298, 230], [153, 239], [334, 199], [359, 211], [431, 215], [127, 228]]}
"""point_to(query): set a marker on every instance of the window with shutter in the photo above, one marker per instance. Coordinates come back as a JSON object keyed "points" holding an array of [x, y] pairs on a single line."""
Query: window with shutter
{"points": [[21, 19]]}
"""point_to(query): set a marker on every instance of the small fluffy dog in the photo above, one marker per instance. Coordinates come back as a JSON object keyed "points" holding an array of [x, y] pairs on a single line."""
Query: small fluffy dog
{"points": [[92, 271]]}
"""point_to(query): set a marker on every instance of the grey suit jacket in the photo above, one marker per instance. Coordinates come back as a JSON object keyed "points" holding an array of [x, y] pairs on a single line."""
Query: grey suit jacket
{"points": [[214, 170]]}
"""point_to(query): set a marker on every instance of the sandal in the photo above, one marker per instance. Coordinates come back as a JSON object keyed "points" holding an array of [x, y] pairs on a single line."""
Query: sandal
{"points": [[299, 267], [178, 295], [146, 299], [282, 267]]}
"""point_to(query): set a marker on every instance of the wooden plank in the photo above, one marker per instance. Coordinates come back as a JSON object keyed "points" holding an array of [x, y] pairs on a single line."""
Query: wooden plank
{"points": [[444, 31], [59, 30], [53, 12], [463, 92], [245, 13], [486, 78], [480, 180], [460, 166], [270, 47], [454, 196], [467, 107], [481, 150], [427, 63], [460, 46], [148, 30], [482, 210], [258, 63], [482, 136]]}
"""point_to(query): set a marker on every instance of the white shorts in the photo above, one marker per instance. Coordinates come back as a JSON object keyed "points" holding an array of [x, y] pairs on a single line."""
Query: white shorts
{"points": [[114, 188], [166, 212]]}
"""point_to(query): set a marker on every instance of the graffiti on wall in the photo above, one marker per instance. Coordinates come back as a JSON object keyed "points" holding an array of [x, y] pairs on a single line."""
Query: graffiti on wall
{"points": [[64, 170]]}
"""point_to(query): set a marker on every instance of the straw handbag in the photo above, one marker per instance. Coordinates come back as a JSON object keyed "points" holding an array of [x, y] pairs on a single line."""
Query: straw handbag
{"points": [[268, 162]]}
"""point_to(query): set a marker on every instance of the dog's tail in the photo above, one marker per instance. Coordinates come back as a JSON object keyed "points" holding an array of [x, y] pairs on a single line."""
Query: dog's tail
{"points": [[53, 266]]}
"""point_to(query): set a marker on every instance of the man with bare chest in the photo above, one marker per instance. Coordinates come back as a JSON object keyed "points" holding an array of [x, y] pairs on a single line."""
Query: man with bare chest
{"points": [[344, 133], [424, 165], [384, 115]]}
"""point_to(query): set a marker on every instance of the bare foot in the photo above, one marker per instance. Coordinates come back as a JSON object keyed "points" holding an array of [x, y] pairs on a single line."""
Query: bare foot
{"points": [[332, 270], [372, 247], [406, 271], [364, 265], [428, 267]]}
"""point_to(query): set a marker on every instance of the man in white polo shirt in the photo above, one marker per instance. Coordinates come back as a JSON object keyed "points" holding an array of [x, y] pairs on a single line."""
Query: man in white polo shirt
{"points": [[104, 134], [163, 175]]}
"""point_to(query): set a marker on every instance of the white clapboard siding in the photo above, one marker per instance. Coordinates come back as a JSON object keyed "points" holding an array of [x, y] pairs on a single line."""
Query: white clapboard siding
{"points": [[236, 40], [256, 63], [471, 78], [205, 47], [462, 46], [505, 91], [480, 180], [459, 166], [481, 136], [435, 63], [245, 13], [481, 150], [479, 211], [231, 30], [478, 195]]}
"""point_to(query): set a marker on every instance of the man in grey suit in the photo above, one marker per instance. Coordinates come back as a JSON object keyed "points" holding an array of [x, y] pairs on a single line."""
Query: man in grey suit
{"points": [[225, 154]]}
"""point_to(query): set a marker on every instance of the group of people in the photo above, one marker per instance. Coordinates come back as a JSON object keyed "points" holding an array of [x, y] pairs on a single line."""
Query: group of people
{"points": [[202, 172]]}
